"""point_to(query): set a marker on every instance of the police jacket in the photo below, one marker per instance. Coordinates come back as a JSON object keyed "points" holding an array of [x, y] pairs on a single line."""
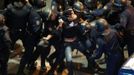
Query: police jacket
{"points": [[22, 19], [127, 18], [16, 18], [110, 45]]}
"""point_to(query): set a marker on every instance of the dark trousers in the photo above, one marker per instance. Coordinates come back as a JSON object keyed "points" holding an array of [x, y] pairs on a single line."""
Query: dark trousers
{"points": [[129, 41], [114, 63], [43, 51], [28, 44], [4, 56]]}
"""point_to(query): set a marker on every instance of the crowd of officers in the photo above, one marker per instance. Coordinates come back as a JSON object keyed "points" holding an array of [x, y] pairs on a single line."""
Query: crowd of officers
{"points": [[93, 27]]}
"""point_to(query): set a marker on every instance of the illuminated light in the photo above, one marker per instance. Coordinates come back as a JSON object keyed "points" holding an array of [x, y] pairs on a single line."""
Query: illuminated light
{"points": [[105, 8], [93, 24]]}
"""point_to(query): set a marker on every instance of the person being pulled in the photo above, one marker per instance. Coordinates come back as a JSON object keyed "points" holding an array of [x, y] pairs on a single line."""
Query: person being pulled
{"points": [[70, 35]]}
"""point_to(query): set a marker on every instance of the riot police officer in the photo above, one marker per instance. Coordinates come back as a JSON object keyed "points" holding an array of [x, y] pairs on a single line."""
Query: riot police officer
{"points": [[108, 43], [126, 22], [50, 35], [5, 46], [23, 23]]}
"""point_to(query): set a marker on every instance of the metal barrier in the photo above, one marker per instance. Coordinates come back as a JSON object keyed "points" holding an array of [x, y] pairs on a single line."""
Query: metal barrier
{"points": [[128, 67]]}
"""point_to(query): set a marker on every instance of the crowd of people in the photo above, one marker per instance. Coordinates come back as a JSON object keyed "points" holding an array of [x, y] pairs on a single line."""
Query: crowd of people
{"points": [[93, 27]]}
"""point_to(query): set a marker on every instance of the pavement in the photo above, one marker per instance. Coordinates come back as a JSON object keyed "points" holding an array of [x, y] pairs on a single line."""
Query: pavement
{"points": [[78, 59]]}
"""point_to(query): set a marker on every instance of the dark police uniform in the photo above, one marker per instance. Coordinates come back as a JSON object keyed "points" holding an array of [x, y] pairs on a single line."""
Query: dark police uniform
{"points": [[44, 46], [126, 21], [110, 45], [23, 22]]}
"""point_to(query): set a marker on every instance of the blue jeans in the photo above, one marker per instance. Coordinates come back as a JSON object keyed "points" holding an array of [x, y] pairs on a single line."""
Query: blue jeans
{"points": [[68, 47]]}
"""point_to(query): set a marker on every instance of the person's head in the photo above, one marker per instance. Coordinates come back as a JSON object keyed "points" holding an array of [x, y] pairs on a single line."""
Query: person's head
{"points": [[46, 13], [2, 20], [70, 14], [78, 6], [53, 15], [102, 26], [119, 5]]}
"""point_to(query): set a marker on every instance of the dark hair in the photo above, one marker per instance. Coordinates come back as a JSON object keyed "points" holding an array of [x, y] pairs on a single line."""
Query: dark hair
{"points": [[68, 12]]}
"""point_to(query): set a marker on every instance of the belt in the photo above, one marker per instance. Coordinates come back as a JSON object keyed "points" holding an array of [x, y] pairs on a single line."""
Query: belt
{"points": [[70, 39]]}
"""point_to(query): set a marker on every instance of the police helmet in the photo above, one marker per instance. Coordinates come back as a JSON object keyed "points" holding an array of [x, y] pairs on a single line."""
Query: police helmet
{"points": [[119, 4], [78, 6], [38, 3], [46, 13], [67, 12], [101, 25]]}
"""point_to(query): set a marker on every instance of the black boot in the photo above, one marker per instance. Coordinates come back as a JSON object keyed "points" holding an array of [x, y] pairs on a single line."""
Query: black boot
{"points": [[70, 68], [31, 67], [43, 68], [61, 67], [51, 72], [93, 67]]}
